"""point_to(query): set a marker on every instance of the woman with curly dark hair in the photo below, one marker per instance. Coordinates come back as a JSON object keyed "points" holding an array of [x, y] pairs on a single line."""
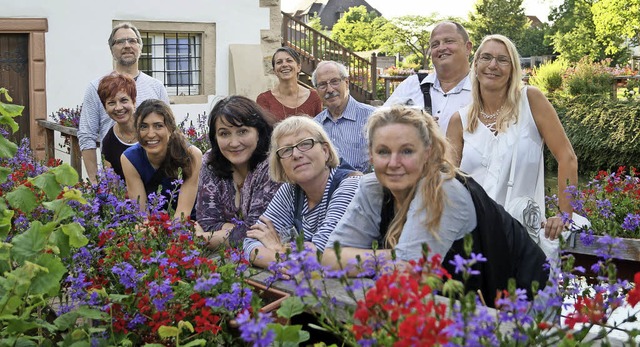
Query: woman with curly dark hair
{"points": [[234, 187], [161, 156]]}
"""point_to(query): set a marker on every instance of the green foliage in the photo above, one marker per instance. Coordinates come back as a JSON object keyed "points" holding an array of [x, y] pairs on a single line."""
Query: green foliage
{"points": [[588, 79], [30, 263], [505, 17], [533, 42], [357, 28], [7, 113], [314, 23], [574, 33], [408, 35], [616, 21], [605, 133], [548, 76]]}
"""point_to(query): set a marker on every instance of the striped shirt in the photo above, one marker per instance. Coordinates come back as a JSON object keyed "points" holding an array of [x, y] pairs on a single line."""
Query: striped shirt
{"points": [[94, 120], [317, 223], [347, 133]]}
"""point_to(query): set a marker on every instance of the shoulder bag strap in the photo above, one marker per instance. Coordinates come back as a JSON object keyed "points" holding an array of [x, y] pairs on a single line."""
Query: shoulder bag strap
{"points": [[425, 87]]}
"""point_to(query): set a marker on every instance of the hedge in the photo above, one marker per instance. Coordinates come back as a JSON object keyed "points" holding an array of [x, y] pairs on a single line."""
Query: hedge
{"points": [[605, 133]]}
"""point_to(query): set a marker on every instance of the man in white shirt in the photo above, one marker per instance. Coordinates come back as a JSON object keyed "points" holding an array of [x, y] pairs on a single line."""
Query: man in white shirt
{"points": [[449, 86], [126, 45]]}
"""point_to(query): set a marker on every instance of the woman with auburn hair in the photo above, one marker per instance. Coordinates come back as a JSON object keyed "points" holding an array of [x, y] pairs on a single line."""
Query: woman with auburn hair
{"points": [[234, 187], [417, 196], [501, 135], [287, 97], [313, 197], [160, 158], [117, 93]]}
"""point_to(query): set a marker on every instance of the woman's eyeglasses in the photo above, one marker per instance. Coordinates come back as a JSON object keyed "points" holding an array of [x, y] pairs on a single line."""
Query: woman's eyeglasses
{"points": [[302, 146], [486, 58]]}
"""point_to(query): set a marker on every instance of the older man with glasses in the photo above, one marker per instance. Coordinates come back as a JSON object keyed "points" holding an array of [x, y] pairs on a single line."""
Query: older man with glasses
{"points": [[126, 46], [344, 117]]}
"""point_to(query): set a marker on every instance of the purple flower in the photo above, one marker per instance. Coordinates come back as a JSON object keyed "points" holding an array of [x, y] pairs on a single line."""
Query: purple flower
{"points": [[255, 331], [127, 275], [205, 284], [631, 222], [161, 293], [239, 298]]}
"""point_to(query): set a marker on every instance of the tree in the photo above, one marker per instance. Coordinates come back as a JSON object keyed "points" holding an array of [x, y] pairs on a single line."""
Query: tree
{"points": [[616, 21], [574, 33], [408, 35], [357, 28], [533, 42], [505, 17]]}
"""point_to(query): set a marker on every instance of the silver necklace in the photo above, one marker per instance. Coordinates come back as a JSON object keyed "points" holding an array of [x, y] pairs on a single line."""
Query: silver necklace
{"points": [[491, 116]]}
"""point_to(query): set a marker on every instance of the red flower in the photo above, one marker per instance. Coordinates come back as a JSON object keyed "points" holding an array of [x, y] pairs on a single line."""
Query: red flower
{"points": [[633, 297]]}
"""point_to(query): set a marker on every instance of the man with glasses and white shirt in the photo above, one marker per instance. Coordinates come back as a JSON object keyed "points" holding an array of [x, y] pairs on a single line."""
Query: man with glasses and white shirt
{"points": [[126, 46], [344, 117], [448, 88]]}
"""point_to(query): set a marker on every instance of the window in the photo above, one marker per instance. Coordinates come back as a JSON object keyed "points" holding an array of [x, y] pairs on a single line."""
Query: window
{"points": [[181, 55], [174, 59]]}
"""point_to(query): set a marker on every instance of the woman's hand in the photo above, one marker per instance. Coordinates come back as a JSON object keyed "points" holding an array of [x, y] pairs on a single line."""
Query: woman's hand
{"points": [[266, 233], [553, 227]]}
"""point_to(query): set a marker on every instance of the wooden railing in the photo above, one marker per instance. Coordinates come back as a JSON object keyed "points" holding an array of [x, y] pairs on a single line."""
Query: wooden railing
{"points": [[50, 145], [314, 47]]}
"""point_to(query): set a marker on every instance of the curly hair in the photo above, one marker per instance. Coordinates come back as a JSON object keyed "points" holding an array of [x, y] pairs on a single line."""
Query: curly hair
{"points": [[177, 156], [238, 111], [438, 168]]}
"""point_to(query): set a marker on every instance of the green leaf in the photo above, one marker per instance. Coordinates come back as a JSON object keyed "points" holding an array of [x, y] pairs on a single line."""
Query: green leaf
{"points": [[8, 149], [198, 342], [61, 209], [291, 306], [67, 320], [4, 173], [22, 198], [74, 194], [76, 236], [47, 182], [90, 313], [185, 324], [5, 223], [167, 331], [31, 242], [49, 282], [65, 174], [60, 240], [17, 326]]}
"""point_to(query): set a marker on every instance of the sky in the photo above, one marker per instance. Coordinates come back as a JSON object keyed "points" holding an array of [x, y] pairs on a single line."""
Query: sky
{"points": [[459, 8]]}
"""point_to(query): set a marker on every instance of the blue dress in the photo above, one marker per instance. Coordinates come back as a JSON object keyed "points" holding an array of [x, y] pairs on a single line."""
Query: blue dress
{"points": [[152, 178]]}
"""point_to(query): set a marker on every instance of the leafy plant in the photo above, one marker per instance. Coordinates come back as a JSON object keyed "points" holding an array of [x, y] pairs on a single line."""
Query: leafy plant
{"points": [[548, 76], [197, 135]]}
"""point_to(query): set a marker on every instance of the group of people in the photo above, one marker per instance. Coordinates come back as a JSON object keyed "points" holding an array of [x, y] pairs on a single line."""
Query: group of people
{"points": [[397, 175]]}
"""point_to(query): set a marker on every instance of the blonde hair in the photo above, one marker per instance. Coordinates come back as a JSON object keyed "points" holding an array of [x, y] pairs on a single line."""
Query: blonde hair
{"points": [[511, 108], [438, 167], [294, 125]]}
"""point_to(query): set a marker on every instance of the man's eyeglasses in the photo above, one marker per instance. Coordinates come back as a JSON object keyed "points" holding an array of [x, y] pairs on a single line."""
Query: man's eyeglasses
{"points": [[131, 40], [486, 58], [302, 146], [334, 83]]}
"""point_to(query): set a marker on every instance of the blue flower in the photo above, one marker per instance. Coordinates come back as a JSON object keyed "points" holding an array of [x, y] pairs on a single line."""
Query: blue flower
{"points": [[127, 275], [255, 331]]}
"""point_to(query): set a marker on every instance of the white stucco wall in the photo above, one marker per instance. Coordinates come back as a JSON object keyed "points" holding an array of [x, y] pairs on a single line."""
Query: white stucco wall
{"points": [[76, 43]]}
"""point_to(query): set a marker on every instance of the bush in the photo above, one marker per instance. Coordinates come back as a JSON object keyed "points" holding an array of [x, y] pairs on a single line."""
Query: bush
{"points": [[548, 76], [588, 78], [605, 133]]}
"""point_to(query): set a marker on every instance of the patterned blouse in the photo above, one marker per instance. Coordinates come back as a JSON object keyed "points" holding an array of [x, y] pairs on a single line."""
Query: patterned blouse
{"points": [[216, 206]]}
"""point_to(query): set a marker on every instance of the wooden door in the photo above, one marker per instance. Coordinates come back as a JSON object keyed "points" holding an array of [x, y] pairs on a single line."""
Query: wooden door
{"points": [[14, 76]]}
